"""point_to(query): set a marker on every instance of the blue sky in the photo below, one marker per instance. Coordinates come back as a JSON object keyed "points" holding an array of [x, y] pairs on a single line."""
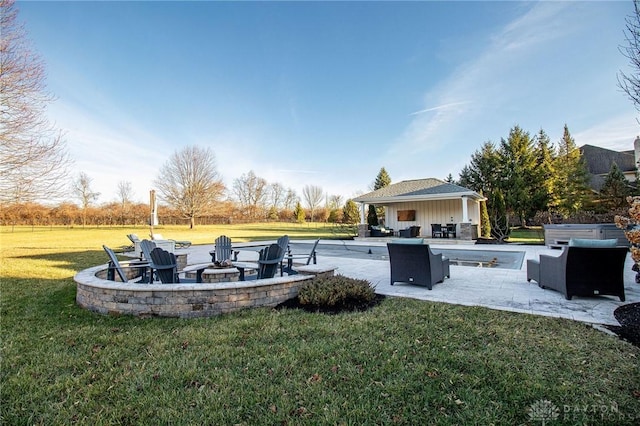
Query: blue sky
{"points": [[325, 93]]}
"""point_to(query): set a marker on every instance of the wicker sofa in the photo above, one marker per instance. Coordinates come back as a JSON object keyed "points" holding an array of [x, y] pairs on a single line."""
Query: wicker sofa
{"points": [[581, 271], [380, 231], [417, 264]]}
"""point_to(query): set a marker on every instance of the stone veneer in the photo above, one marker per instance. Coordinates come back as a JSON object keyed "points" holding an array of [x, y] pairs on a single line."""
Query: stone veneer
{"points": [[185, 300]]}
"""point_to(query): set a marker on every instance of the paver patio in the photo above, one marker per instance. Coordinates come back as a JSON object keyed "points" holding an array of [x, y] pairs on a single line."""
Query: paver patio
{"points": [[494, 288]]}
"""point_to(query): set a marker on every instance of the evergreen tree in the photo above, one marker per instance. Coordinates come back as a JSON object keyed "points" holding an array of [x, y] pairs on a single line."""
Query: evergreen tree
{"points": [[299, 213], [350, 213], [483, 173], [372, 216], [485, 222], [615, 190], [571, 183], [499, 217], [450, 179], [545, 156], [519, 175], [382, 180]]}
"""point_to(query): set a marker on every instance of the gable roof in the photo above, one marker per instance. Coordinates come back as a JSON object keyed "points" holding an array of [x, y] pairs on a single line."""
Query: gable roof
{"points": [[418, 190], [599, 159]]}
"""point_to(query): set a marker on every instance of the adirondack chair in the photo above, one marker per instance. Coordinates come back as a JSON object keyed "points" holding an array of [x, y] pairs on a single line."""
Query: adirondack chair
{"points": [[283, 242], [165, 265], [117, 267], [270, 260], [146, 247], [289, 257], [223, 250]]}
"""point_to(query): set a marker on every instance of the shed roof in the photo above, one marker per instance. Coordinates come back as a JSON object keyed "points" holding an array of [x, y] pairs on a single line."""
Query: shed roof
{"points": [[418, 190]]}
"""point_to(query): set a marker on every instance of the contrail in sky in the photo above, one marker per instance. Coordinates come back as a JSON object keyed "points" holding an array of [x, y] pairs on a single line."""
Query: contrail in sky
{"points": [[439, 107]]}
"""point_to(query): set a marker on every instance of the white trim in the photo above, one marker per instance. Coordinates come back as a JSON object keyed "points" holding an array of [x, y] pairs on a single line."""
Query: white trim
{"points": [[429, 197]]}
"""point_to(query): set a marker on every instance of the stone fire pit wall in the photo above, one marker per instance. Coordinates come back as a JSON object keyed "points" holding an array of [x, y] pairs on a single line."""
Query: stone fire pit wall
{"points": [[183, 300]]}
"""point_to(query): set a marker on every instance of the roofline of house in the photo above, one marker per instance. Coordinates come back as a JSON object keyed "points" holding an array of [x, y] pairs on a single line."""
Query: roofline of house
{"points": [[423, 197]]}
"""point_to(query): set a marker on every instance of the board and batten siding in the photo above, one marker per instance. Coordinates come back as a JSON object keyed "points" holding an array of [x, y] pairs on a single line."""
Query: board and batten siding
{"points": [[428, 212]]}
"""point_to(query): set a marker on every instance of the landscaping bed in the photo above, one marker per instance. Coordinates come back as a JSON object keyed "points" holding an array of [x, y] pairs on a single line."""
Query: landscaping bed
{"points": [[629, 318]]}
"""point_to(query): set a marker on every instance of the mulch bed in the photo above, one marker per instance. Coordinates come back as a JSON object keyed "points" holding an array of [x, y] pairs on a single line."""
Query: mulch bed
{"points": [[629, 318]]}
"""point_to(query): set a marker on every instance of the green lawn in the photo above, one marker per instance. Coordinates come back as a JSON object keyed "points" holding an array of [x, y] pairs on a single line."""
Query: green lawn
{"points": [[403, 362]]}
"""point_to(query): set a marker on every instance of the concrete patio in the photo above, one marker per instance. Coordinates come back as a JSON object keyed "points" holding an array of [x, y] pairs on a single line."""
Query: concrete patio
{"points": [[494, 288]]}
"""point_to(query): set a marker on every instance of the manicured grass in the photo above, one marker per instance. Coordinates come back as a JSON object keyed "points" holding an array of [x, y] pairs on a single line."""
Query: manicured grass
{"points": [[403, 362], [532, 235]]}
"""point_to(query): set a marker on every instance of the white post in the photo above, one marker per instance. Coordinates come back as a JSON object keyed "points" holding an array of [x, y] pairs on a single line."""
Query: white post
{"points": [[362, 215], [465, 210]]}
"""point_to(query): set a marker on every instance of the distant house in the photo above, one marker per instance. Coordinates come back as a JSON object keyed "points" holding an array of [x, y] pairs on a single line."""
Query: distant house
{"points": [[599, 161], [423, 202]]}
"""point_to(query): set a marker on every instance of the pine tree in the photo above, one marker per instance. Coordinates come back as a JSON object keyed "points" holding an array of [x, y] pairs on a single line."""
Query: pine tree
{"points": [[372, 216], [485, 222], [299, 213], [382, 180], [571, 183], [519, 175], [545, 156], [499, 217], [350, 213], [615, 190]]}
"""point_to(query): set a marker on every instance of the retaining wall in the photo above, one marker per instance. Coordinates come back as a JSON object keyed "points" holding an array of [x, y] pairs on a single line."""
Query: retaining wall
{"points": [[183, 300]]}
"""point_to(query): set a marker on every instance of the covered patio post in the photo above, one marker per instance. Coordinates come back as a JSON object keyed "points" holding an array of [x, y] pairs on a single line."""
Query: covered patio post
{"points": [[465, 209]]}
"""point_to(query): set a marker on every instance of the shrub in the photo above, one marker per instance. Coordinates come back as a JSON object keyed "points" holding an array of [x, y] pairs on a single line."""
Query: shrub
{"points": [[336, 293]]}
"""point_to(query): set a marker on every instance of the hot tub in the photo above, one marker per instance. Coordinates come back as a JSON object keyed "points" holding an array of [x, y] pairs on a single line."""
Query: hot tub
{"points": [[555, 236]]}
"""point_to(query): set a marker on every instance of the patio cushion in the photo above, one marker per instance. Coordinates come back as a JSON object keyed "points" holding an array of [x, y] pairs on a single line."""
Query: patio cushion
{"points": [[585, 242], [408, 241]]}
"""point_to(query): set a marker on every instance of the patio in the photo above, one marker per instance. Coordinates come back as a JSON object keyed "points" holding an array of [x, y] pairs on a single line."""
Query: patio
{"points": [[502, 289]]}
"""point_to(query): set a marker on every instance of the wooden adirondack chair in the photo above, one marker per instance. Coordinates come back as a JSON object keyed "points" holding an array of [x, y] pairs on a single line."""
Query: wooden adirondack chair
{"points": [[164, 265], [223, 250], [289, 257], [116, 267], [270, 260]]}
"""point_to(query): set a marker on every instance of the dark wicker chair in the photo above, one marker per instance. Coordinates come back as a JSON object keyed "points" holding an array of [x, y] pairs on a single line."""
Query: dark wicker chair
{"points": [[437, 231], [451, 230], [581, 271], [417, 264]]}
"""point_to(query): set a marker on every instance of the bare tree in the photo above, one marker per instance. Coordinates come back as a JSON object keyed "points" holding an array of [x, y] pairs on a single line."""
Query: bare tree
{"points": [[313, 196], [630, 83], [277, 193], [251, 192], [290, 199], [334, 201], [125, 193], [189, 182], [82, 189], [33, 156]]}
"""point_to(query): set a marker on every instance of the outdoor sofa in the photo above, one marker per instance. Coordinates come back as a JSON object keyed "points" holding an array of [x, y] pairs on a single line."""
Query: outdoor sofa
{"points": [[380, 231]]}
